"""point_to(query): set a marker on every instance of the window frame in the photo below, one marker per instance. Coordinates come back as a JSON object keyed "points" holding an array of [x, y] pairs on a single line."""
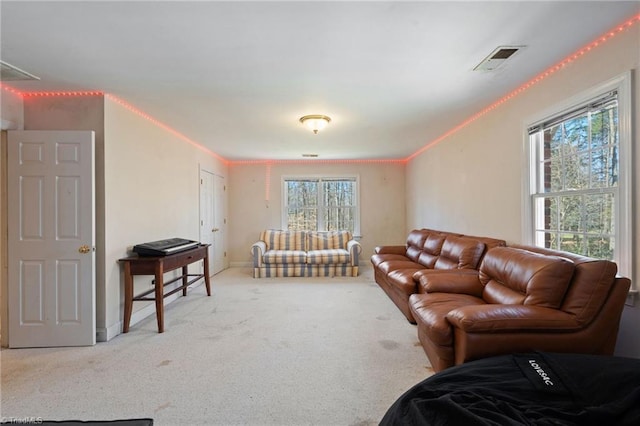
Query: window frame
{"points": [[623, 245], [320, 178]]}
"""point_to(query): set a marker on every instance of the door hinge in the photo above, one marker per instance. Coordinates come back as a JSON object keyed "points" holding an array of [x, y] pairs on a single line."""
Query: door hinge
{"points": [[225, 254]]}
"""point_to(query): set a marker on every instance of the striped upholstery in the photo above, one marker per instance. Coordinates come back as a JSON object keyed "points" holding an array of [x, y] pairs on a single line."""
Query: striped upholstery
{"points": [[282, 254], [329, 256], [343, 270], [283, 240], [286, 270], [317, 240]]}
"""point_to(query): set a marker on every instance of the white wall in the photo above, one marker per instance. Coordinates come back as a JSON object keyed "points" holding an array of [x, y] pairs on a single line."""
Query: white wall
{"points": [[382, 205], [151, 193], [472, 181], [11, 111]]}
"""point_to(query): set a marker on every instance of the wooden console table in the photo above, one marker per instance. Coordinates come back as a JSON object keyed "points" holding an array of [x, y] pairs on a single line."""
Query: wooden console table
{"points": [[157, 266]]}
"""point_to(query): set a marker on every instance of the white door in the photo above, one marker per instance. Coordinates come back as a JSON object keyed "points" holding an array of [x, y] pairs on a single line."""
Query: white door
{"points": [[51, 238], [212, 220], [220, 223], [207, 222]]}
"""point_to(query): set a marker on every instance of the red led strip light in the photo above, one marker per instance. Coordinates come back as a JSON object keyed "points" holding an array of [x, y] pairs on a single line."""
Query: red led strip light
{"points": [[559, 66], [48, 94], [354, 161], [164, 127]]}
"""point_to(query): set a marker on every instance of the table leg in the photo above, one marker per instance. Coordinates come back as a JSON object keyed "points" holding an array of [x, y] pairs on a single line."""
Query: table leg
{"points": [[185, 279], [159, 296], [128, 296], [207, 280]]}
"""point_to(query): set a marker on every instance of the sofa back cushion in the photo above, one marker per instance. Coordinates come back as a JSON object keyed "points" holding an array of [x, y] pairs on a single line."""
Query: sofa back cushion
{"points": [[431, 249], [592, 282], [329, 240], [415, 241], [277, 239], [516, 276], [460, 253]]}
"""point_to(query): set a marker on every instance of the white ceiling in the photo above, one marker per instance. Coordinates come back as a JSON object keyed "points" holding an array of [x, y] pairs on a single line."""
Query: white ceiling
{"points": [[236, 76]]}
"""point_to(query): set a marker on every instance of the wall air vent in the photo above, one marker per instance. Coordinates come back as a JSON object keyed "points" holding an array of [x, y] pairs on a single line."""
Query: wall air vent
{"points": [[10, 73], [497, 58]]}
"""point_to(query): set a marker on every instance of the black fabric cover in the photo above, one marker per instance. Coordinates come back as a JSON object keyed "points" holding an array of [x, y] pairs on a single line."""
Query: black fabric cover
{"points": [[526, 389]]}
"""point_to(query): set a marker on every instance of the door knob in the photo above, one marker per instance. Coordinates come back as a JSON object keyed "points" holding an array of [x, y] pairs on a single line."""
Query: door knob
{"points": [[84, 249], [215, 230]]}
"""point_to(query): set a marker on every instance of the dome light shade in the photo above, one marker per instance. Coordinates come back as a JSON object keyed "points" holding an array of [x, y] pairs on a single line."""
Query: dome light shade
{"points": [[315, 122]]}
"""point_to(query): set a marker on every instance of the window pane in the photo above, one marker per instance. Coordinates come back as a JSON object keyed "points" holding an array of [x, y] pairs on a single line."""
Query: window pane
{"points": [[301, 219], [339, 193], [302, 201], [551, 240], [573, 243], [302, 193], [553, 220], [577, 134], [604, 126], [551, 168], [571, 213], [599, 213], [554, 182], [604, 167], [576, 172], [600, 247], [340, 219]]}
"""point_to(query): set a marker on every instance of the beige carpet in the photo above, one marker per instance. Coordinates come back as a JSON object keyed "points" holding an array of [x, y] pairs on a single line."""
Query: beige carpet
{"points": [[316, 351]]}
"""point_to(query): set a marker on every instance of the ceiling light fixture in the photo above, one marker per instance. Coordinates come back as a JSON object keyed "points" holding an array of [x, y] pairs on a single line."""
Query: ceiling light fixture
{"points": [[315, 122]]}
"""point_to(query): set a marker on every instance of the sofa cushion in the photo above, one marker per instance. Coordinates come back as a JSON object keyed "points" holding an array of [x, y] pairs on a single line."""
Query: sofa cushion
{"points": [[328, 256], [415, 241], [321, 240], [460, 253], [431, 249], [591, 284], [515, 276], [284, 256], [283, 240]]}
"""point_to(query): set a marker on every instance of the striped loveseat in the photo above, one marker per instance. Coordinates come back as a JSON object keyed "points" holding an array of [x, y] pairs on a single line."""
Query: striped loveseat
{"points": [[281, 253]]}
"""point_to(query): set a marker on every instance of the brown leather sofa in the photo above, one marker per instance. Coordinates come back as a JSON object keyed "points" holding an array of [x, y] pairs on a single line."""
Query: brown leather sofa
{"points": [[397, 269], [523, 299]]}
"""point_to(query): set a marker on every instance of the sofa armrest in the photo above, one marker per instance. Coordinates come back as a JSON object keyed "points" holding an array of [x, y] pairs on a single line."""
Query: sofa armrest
{"points": [[459, 281], [496, 318], [258, 250], [391, 250], [354, 249]]}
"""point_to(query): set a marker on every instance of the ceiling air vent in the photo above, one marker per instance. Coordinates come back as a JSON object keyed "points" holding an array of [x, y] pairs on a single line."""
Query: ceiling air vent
{"points": [[497, 58], [10, 73]]}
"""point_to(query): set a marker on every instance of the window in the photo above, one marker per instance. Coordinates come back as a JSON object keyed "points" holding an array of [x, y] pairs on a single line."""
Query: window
{"points": [[321, 204], [579, 178]]}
